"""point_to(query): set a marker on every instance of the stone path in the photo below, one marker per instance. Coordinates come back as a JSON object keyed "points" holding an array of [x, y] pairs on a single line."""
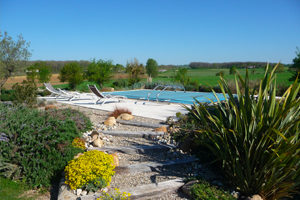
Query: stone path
{"points": [[148, 169]]}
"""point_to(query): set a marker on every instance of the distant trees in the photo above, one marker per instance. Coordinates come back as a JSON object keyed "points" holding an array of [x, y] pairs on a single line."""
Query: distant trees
{"points": [[296, 64], [72, 73], [118, 68], [99, 71], [152, 67], [40, 71], [13, 54], [135, 70]]}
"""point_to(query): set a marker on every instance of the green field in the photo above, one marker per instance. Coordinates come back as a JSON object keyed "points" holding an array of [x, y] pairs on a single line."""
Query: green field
{"points": [[208, 76]]}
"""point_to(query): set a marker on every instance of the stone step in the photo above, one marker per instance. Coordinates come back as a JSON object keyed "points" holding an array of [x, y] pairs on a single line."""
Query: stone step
{"points": [[139, 149], [143, 134], [154, 189], [140, 124], [152, 166]]}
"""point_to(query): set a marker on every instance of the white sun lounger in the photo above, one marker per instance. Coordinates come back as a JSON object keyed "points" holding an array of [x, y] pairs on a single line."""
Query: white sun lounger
{"points": [[103, 98]]}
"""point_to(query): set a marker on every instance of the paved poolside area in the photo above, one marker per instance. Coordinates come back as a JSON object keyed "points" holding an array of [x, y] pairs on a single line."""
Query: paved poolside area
{"points": [[154, 110]]}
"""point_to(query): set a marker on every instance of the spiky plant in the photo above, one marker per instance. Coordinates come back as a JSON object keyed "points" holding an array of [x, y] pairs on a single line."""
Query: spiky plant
{"points": [[255, 137]]}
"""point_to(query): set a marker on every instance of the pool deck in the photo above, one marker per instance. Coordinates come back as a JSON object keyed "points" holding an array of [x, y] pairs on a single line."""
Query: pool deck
{"points": [[154, 110]]}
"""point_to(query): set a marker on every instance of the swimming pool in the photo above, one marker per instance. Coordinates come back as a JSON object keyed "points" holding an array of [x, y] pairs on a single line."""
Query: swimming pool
{"points": [[169, 96]]}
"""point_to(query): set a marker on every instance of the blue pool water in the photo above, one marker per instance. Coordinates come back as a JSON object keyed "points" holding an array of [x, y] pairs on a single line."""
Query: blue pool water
{"points": [[169, 96]]}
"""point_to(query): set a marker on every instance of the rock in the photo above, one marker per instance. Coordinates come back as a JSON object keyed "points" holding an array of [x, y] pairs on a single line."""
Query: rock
{"points": [[98, 142], [77, 156], [125, 116], [255, 197], [78, 192], [94, 135], [186, 189], [105, 189], [48, 107], [116, 159], [84, 192], [111, 121], [161, 129]]}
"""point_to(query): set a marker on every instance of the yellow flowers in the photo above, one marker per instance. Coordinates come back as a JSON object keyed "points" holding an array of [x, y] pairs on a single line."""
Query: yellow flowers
{"points": [[117, 195], [88, 167], [79, 143]]}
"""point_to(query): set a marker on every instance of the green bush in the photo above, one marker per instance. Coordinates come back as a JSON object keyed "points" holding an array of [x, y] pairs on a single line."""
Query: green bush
{"points": [[25, 93], [99, 71], [205, 191], [71, 72], [7, 95], [40, 71], [121, 83], [255, 139], [36, 145]]}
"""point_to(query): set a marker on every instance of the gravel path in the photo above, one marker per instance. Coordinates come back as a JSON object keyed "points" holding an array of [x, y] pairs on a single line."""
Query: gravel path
{"points": [[120, 180]]}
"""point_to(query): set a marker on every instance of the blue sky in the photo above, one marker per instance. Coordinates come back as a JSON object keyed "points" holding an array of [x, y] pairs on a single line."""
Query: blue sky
{"points": [[170, 31]]}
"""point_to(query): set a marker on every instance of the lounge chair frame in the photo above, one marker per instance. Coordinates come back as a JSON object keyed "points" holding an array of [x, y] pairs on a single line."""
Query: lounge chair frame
{"points": [[103, 98]]}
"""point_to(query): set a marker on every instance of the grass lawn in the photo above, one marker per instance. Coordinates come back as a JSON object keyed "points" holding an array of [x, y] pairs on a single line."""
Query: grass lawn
{"points": [[11, 190], [208, 76]]}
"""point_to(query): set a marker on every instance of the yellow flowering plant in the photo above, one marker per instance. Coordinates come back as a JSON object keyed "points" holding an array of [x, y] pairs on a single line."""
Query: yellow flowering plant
{"points": [[116, 195], [89, 168], [78, 143]]}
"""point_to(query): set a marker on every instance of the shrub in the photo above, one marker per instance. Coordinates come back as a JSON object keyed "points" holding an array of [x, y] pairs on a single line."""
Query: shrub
{"points": [[82, 122], [71, 72], [116, 195], [181, 76], [118, 111], [99, 71], [38, 145], [135, 70], [121, 83], [7, 95], [255, 139], [25, 93], [232, 70], [40, 71], [88, 168], [79, 143], [205, 191]]}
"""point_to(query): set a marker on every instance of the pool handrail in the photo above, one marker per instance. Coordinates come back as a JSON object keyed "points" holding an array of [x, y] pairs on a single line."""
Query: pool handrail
{"points": [[165, 87]]}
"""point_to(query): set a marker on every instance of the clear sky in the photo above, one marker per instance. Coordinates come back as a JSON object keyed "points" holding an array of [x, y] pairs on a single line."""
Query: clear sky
{"points": [[170, 31]]}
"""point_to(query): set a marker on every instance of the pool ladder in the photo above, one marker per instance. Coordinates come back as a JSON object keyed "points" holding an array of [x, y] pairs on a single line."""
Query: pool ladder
{"points": [[165, 87]]}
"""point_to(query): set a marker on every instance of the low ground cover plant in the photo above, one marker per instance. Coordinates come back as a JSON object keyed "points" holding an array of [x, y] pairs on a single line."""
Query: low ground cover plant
{"points": [[254, 139], [115, 195], [91, 171], [205, 191], [35, 146]]}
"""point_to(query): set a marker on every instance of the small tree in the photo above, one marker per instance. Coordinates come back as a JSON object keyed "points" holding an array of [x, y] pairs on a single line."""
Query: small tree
{"points": [[152, 67], [40, 71], [135, 70], [13, 54], [99, 71], [232, 70], [296, 64], [71, 72], [181, 76]]}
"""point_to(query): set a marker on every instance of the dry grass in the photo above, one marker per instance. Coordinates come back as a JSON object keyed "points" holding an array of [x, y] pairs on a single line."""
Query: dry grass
{"points": [[118, 111], [19, 79]]}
